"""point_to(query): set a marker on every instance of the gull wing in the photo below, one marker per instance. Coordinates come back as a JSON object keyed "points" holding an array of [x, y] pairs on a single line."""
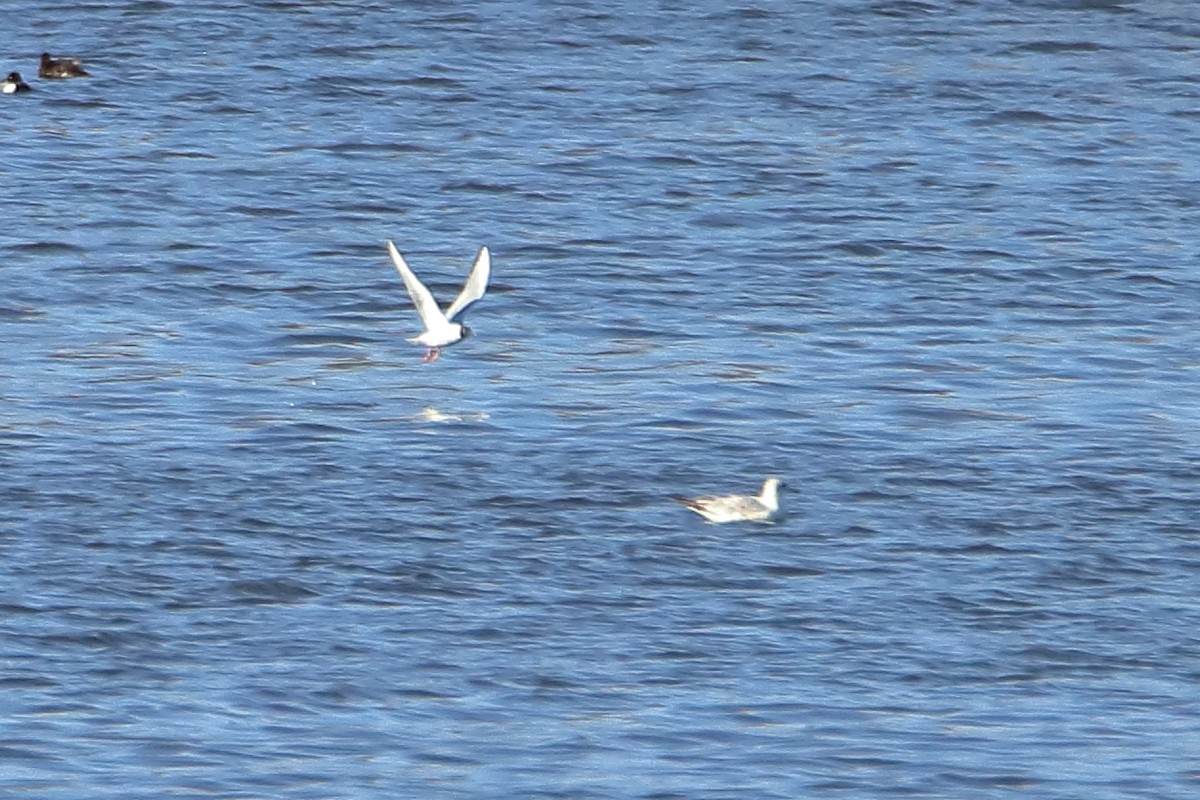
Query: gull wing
{"points": [[431, 316], [726, 508], [474, 288]]}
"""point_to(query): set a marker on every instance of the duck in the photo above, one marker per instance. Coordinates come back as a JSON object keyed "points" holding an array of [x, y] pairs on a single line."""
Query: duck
{"points": [[60, 68], [13, 84]]}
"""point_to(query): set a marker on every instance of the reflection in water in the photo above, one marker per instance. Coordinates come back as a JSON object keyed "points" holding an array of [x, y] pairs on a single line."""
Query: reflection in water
{"points": [[431, 414]]}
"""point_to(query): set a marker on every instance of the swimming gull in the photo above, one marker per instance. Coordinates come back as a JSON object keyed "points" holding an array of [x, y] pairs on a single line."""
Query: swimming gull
{"points": [[737, 507]]}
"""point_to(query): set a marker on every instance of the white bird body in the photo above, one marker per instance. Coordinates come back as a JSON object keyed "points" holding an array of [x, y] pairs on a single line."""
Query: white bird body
{"points": [[440, 335], [441, 327], [736, 507]]}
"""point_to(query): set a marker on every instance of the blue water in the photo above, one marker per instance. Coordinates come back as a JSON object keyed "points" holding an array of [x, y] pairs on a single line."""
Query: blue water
{"points": [[934, 263]]}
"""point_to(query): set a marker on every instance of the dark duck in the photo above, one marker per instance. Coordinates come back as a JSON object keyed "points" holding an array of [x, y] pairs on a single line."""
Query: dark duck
{"points": [[60, 68]]}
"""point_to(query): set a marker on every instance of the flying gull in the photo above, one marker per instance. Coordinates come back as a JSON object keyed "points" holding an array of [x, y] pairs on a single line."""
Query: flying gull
{"points": [[443, 329]]}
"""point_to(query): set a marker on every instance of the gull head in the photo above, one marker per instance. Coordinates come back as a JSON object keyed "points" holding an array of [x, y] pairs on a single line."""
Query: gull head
{"points": [[769, 496]]}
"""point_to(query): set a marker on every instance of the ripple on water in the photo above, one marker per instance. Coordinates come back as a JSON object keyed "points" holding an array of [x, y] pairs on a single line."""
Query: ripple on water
{"points": [[253, 546]]}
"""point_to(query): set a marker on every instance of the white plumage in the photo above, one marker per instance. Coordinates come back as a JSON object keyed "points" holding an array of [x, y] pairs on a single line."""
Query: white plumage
{"points": [[443, 329], [737, 507]]}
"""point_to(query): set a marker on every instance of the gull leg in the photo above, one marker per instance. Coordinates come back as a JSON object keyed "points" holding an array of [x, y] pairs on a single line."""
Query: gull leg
{"points": [[432, 355]]}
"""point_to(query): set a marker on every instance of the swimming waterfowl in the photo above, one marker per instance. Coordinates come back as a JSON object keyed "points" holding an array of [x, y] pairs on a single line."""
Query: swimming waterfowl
{"points": [[738, 507], [443, 329], [60, 68], [13, 84]]}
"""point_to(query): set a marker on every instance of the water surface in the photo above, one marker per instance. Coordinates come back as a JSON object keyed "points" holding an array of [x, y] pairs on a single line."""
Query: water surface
{"points": [[933, 263]]}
